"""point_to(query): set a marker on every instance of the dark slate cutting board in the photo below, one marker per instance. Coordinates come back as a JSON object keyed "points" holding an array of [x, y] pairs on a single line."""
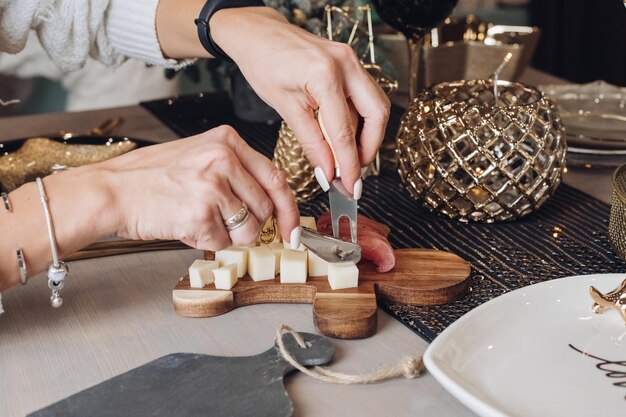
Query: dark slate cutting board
{"points": [[196, 385]]}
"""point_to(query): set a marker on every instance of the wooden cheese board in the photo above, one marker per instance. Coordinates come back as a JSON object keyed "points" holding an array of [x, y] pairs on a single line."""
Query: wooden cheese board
{"points": [[420, 277]]}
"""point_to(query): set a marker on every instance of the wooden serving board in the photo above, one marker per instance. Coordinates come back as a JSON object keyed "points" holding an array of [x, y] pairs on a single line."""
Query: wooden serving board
{"points": [[420, 277]]}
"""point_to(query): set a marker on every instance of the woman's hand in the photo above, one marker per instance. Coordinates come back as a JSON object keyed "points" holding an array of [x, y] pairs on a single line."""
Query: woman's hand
{"points": [[179, 190], [298, 73], [186, 189]]}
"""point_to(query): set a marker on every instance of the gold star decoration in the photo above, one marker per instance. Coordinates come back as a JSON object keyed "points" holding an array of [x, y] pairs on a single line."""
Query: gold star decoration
{"points": [[38, 157], [614, 299]]}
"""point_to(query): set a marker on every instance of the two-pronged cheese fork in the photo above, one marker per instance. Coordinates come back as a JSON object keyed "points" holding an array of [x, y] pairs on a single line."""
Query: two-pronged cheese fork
{"points": [[342, 202]]}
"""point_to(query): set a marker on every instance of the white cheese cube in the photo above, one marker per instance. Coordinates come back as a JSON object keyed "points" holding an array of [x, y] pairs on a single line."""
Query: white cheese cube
{"points": [[317, 266], [293, 266], [250, 245], [201, 273], [343, 275], [225, 277], [308, 222], [261, 263], [234, 255], [277, 248], [288, 246]]}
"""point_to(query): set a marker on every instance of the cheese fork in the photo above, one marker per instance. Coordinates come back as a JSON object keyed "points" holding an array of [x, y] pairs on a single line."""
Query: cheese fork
{"points": [[342, 202]]}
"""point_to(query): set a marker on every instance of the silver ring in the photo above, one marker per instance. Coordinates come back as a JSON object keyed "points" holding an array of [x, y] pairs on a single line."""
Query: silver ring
{"points": [[237, 220]]}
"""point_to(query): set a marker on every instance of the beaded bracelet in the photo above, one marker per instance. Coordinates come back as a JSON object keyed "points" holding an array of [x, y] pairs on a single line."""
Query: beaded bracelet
{"points": [[57, 272], [7, 207]]}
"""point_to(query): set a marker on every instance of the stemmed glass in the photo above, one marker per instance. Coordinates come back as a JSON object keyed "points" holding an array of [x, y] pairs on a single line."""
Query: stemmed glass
{"points": [[414, 18]]}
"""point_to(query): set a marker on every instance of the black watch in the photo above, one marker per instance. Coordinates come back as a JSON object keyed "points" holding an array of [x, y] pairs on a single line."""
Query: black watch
{"points": [[202, 22]]}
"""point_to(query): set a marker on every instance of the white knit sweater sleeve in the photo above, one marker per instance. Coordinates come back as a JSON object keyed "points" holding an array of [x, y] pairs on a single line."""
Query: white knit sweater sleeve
{"points": [[72, 30]]}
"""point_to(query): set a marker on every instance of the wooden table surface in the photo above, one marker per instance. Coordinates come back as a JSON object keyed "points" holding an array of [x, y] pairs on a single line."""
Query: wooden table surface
{"points": [[118, 315]]}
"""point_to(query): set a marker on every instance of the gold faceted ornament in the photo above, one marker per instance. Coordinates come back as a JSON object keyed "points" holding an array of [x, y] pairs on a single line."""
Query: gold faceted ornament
{"points": [[481, 151]]}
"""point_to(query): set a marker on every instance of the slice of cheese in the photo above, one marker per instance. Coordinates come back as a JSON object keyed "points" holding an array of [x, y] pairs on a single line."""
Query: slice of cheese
{"points": [[293, 266], [343, 275], [234, 255], [308, 222], [317, 266], [277, 248], [225, 276], [261, 263], [201, 273]]}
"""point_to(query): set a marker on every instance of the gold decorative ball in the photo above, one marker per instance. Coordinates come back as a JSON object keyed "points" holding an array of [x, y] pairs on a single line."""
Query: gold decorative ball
{"points": [[471, 157]]}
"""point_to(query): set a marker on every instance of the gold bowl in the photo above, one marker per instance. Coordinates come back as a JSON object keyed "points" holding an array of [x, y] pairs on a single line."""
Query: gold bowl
{"points": [[468, 48]]}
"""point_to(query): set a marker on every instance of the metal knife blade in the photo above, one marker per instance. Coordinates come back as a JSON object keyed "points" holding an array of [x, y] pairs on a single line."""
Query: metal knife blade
{"points": [[330, 249]]}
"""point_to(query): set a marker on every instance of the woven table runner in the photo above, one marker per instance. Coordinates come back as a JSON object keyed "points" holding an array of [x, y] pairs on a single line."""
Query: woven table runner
{"points": [[567, 236]]}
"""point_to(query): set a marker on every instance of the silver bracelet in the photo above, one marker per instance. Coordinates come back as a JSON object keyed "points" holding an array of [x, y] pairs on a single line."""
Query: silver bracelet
{"points": [[6, 202], [21, 265], [57, 272]]}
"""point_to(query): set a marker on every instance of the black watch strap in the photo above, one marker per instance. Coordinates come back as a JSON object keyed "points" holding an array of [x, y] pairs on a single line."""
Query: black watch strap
{"points": [[202, 22]]}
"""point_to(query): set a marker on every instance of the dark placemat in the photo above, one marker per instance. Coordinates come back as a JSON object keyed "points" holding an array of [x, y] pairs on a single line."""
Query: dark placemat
{"points": [[567, 236]]}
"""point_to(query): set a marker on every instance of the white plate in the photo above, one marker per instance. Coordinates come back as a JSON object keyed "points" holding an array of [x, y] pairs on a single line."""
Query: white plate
{"points": [[512, 356], [594, 114]]}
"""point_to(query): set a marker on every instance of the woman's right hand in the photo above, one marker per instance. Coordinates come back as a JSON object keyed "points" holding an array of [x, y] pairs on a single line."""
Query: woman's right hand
{"points": [[185, 190]]}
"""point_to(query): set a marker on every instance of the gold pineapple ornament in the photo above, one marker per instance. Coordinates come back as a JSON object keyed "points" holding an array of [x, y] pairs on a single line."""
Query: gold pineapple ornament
{"points": [[288, 157]]}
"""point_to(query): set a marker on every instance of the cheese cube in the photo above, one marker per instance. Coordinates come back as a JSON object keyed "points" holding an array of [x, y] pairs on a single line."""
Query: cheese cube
{"points": [[261, 263], [343, 275], [250, 245], [201, 273], [225, 277], [234, 255], [308, 222], [288, 246], [317, 266], [293, 266], [277, 248]]}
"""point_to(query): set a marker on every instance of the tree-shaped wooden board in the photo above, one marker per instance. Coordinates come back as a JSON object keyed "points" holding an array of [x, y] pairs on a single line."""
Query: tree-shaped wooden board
{"points": [[420, 277]]}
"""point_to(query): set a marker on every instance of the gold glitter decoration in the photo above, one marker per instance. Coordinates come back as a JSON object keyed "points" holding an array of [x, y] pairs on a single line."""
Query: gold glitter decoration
{"points": [[470, 160], [42, 156]]}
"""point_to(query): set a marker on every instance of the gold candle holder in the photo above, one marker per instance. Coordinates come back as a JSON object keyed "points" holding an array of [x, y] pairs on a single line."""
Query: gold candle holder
{"points": [[472, 160], [617, 221]]}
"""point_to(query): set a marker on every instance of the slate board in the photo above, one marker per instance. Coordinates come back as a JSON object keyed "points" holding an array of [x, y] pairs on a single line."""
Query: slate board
{"points": [[197, 385]]}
